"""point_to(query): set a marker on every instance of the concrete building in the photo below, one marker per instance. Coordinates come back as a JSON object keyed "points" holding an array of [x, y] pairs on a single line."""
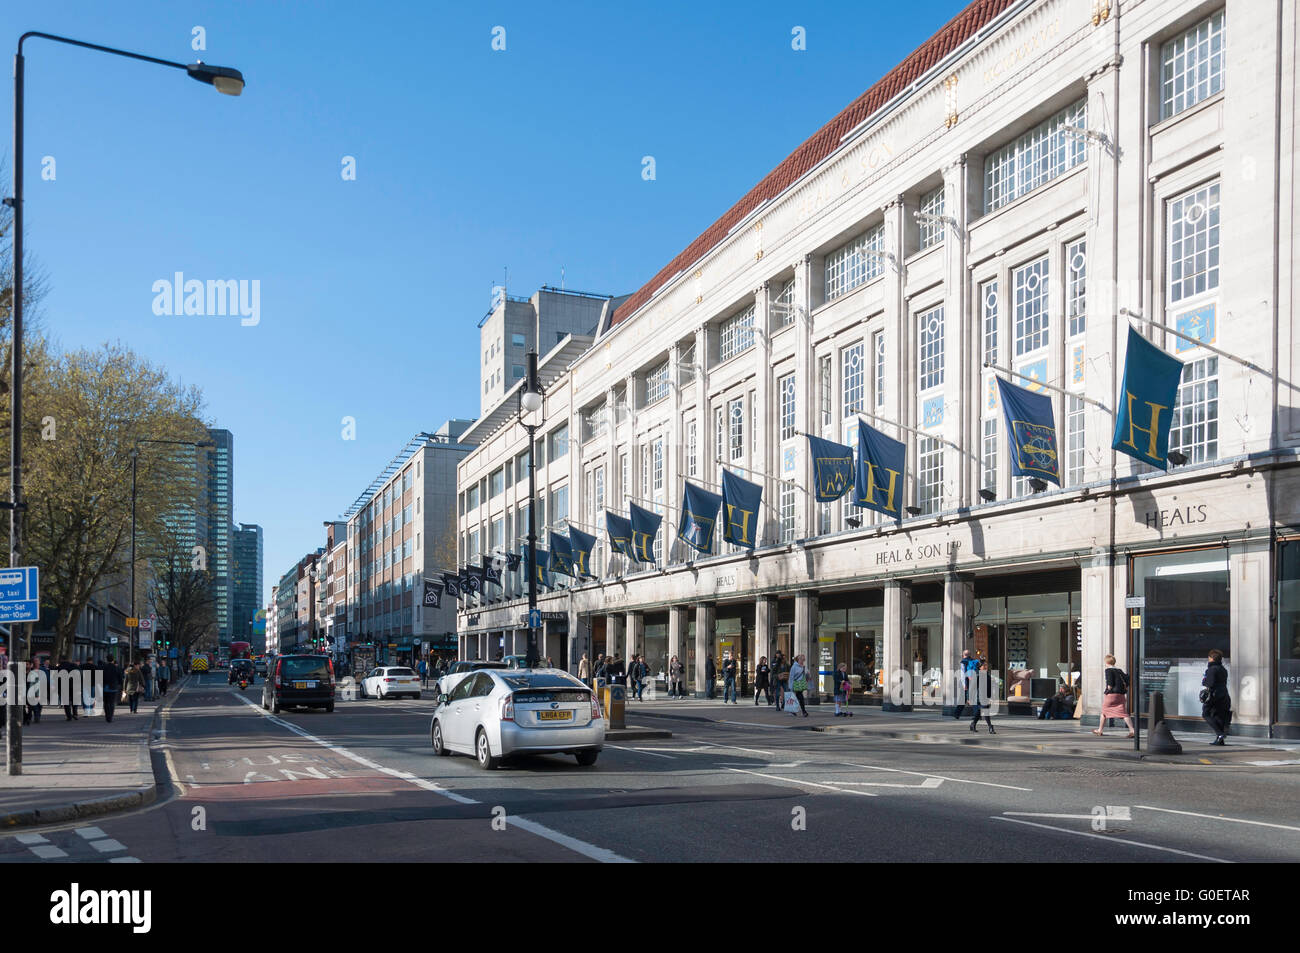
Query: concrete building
{"points": [[272, 622], [516, 325], [401, 530], [997, 198]]}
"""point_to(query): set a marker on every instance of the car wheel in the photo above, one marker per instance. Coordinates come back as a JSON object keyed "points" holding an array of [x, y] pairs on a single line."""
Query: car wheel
{"points": [[586, 758], [483, 751], [275, 707], [416, 696], [363, 689], [381, 695], [329, 707], [439, 748]]}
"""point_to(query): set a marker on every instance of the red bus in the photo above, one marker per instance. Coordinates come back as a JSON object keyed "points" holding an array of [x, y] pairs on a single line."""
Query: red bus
{"points": [[240, 650]]}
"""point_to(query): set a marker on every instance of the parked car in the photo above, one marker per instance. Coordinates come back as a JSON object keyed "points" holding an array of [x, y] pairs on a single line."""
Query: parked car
{"points": [[459, 670], [495, 714], [299, 681], [389, 681]]}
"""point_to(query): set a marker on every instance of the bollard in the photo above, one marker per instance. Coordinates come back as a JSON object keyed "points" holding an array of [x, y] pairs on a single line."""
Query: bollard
{"points": [[1159, 738]]}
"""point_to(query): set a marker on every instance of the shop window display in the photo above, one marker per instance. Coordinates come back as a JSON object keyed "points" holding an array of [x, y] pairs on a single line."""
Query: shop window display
{"points": [[1288, 632]]}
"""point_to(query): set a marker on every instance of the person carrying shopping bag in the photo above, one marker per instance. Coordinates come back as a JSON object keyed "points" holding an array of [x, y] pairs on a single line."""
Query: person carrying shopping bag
{"points": [[843, 689], [799, 682], [134, 686]]}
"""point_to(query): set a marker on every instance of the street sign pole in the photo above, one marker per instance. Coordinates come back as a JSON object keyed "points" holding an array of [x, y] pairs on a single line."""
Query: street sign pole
{"points": [[19, 605]]}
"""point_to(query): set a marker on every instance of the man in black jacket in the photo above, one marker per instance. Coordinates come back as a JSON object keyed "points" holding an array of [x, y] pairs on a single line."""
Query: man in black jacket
{"points": [[710, 677], [1217, 708], [112, 687]]}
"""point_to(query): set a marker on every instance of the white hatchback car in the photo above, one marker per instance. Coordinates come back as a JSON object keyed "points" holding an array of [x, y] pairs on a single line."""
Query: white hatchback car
{"points": [[496, 713], [390, 681]]}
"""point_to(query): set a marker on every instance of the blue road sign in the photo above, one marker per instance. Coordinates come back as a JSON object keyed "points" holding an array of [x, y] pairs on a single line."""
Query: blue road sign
{"points": [[20, 594], [535, 619]]}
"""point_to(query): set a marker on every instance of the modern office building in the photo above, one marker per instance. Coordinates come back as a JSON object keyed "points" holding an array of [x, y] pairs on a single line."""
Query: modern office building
{"points": [[220, 516], [1006, 197], [247, 569], [401, 530]]}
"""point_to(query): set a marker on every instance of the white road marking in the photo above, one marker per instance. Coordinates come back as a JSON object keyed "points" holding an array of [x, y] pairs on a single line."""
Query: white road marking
{"points": [[107, 846], [30, 839], [90, 833], [1062, 817], [1216, 817], [796, 781], [927, 784], [1270, 764], [48, 851], [564, 840], [1113, 840], [652, 754], [713, 744], [942, 777]]}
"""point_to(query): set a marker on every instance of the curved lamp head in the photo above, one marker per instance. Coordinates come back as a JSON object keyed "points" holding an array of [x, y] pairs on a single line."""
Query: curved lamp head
{"points": [[226, 80], [532, 401]]}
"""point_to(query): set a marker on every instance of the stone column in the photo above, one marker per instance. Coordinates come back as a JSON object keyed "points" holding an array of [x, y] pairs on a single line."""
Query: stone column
{"points": [[579, 640], [897, 666], [805, 641], [961, 337], [615, 644], [706, 615], [1097, 617], [1250, 652], [958, 608], [635, 633], [765, 611]]}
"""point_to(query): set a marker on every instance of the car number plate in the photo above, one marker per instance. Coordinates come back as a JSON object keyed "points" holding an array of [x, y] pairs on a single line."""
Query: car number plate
{"points": [[555, 716], [310, 684]]}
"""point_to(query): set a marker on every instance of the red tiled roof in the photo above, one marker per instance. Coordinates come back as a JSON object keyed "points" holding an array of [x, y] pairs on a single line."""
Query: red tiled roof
{"points": [[825, 141]]}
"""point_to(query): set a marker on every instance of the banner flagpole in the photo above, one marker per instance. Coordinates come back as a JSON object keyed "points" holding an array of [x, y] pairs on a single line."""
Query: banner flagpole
{"points": [[1196, 341], [767, 476], [1046, 386]]}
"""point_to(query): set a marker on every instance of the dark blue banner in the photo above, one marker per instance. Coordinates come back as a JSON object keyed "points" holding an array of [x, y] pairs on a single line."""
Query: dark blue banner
{"points": [[512, 561], [699, 516], [491, 571], [432, 594], [582, 544], [561, 560], [474, 578], [832, 468], [740, 502], [1146, 404], [878, 480], [620, 533], [645, 527], [543, 574], [451, 582], [1031, 433]]}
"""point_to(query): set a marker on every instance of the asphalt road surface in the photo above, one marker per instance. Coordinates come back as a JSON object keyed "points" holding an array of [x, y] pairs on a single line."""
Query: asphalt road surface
{"points": [[362, 784]]}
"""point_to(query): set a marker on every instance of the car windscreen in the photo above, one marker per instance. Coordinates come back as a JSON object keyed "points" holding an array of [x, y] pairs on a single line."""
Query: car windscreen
{"points": [[305, 668], [542, 681], [541, 696], [399, 671]]}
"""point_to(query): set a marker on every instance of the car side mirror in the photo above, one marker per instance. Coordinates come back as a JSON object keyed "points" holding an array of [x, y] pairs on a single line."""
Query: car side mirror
{"points": [[443, 698]]}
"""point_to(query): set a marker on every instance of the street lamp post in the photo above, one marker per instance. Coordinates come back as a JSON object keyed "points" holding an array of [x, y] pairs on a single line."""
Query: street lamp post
{"points": [[530, 400], [135, 456], [225, 80]]}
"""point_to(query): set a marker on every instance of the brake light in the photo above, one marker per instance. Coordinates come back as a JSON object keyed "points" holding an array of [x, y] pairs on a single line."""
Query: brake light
{"points": [[595, 706], [508, 708], [390, 679], [330, 663]]}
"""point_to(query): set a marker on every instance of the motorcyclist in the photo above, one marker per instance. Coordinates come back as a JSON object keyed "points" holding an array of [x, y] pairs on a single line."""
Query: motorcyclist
{"points": [[241, 668]]}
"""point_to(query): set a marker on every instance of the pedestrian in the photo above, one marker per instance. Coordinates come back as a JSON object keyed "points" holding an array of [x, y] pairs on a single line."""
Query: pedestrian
{"points": [[843, 689], [37, 685], [112, 687], [639, 671], [762, 682], [710, 677], [164, 677], [65, 685], [973, 693], [1114, 700], [729, 669], [424, 673], [134, 686], [1061, 705], [584, 669], [780, 679], [602, 668], [146, 673], [799, 682], [676, 671], [1216, 703]]}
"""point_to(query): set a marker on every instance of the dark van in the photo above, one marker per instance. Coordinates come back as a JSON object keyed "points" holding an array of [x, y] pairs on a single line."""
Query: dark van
{"points": [[299, 680]]}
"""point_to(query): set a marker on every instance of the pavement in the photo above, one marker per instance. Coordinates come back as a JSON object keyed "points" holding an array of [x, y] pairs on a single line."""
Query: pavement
{"points": [[82, 768]]}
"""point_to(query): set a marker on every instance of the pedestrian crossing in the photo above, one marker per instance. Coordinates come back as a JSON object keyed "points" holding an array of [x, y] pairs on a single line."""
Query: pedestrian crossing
{"points": [[77, 845]]}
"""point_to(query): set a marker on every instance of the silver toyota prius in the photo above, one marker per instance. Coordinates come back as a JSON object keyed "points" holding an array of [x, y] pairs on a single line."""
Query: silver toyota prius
{"points": [[495, 713]]}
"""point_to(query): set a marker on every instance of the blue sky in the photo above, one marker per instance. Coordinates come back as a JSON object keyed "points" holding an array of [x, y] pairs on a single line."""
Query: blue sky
{"points": [[468, 161]]}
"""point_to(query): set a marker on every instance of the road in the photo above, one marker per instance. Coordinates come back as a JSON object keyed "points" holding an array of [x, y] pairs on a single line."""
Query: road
{"points": [[361, 784]]}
